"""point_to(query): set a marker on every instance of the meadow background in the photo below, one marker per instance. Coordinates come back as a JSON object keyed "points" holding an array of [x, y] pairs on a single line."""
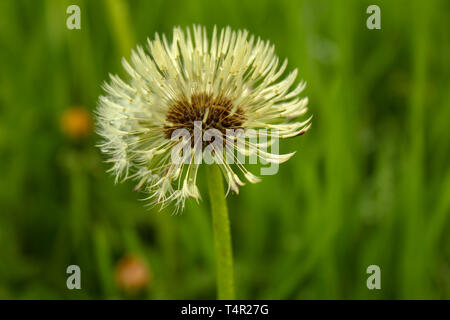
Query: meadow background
{"points": [[370, 183]]}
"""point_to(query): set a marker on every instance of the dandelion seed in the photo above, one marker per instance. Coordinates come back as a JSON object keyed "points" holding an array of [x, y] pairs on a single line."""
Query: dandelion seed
{"points": [[231, 82]]}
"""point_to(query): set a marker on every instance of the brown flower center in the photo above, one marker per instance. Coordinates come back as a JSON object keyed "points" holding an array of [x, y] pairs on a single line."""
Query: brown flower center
{"points": [[213, 112]]}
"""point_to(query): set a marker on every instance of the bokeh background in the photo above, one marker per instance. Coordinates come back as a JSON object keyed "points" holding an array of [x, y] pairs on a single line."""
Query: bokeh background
{"points": [[370, 183]]}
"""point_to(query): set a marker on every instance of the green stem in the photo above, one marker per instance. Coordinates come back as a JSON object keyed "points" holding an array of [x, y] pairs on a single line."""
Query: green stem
{"points": [[119, 17], [222, 236]]}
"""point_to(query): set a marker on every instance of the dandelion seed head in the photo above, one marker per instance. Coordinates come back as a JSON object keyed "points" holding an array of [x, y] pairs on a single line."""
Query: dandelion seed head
{"points": [[230, 80]]}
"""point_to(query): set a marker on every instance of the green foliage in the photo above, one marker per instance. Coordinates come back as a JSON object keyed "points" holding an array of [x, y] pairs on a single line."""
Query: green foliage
{"points": [[370, 183]]}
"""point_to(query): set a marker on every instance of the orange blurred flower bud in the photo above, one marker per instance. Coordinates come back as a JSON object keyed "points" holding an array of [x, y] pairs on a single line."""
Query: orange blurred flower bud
{"points": [[132, 274], [76, 123]]}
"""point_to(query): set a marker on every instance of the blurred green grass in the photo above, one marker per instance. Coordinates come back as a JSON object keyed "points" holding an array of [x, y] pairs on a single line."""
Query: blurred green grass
{"points": [[370, 183]]}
